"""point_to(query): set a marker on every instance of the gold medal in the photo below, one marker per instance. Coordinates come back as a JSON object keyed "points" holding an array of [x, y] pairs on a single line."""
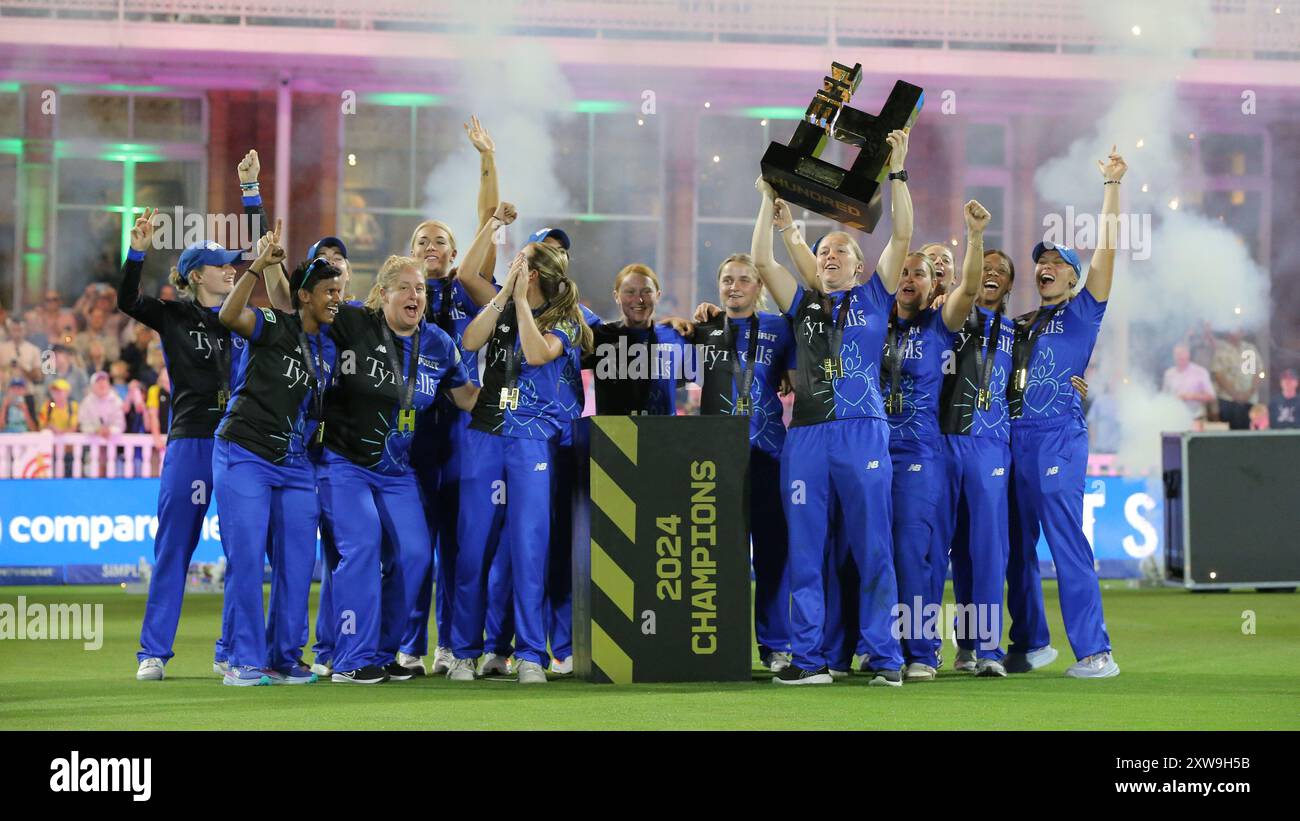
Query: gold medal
{"points": [[509, 399], [984, 399], [833, 367], [406, 421], [894, 404], [223, 399], [744, 406], [320, 433], [1022, 377]]}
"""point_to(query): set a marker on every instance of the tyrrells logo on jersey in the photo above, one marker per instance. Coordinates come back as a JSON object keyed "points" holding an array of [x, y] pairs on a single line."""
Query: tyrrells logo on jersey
{"points": [[425, 383], [294, 371], [1006, 340], [203, 343]]}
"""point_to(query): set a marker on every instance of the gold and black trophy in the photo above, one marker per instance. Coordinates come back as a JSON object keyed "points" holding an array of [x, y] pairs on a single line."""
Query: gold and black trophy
{"points": [[852, 196]]}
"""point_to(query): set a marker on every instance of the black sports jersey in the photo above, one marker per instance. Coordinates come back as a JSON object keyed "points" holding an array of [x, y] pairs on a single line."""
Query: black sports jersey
{"points": [[637, 369], [843, 384], [961, 410], [363, 422], [270, 413], [196, 347]]}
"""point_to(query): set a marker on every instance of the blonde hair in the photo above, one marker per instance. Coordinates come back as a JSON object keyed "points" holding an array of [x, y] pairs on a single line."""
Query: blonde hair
{"points": [[451, 238], [387, 278], [852, 243], [559, 291], [747, 261], [634, 269], [180, 283]]}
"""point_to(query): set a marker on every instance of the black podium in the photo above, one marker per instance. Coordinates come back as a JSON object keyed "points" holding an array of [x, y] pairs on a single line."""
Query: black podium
{"points": [[661, 586]]}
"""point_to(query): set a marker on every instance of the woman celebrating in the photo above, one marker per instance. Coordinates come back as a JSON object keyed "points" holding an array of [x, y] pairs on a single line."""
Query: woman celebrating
{"points": [[511, 438], [1049, 446], [454, 297], [839, 439], [745, 354], [200, 354], [367, 483], [916, 346], [263, 475], [638, 365]]}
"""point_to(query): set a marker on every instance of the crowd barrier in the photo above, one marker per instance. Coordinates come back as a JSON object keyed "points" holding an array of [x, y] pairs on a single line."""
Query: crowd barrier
{"points": [[52, 455]]}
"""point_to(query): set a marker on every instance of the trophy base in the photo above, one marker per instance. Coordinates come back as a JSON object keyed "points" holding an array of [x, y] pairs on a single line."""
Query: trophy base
{"points": [[818, 186]]}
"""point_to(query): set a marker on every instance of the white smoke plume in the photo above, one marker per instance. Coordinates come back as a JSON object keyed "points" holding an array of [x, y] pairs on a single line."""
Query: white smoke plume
{"points": [[513, 86], [1199, 271]]}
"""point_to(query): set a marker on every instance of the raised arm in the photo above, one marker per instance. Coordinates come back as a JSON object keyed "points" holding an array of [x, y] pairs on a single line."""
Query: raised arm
{"points": [[488, 194], [479, 330], [958, 305], [795, 245], [1102, 268], [129, 299], [780, 284], [277, 282], [890, 266], [538, 348], [235, 313], [479, 287]]}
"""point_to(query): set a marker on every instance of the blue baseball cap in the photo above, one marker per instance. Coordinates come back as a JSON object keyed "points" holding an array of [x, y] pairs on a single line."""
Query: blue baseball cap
{"points": [[204, 253], [1067, 253], [327, 242], [542, 233]]}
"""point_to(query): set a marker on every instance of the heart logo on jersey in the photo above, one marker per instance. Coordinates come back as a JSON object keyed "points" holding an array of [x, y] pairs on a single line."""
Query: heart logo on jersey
{"points": [[854, 388], [1045, 385]]}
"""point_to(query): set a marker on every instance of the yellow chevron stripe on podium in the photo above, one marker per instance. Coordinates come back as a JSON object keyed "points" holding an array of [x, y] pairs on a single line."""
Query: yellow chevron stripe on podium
{"points": [[615, 503]]}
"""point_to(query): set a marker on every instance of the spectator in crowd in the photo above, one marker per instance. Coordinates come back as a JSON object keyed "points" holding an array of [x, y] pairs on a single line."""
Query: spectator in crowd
{"points": [[67, 366], [135, 354], [102, 412], [1189, 382], [120, 376], [1259, 417], [1235, 369], [18, 411], [1102, 413], [47, 321], [95, 357], [167, 292], [158, 403], [97, 330], [4, 322], [1284, 410], [19, 354], [59, 414], [135, 408]]}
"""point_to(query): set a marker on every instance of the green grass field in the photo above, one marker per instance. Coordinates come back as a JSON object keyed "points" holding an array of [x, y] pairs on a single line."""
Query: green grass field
{"points": [[1186, 665]]}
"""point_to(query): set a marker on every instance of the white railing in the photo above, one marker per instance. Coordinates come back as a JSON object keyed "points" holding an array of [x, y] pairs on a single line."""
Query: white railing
{"points": [[50, 455], [1240, 27]]}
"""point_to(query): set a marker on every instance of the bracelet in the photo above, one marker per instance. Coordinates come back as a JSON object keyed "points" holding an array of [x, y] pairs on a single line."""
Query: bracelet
{"points": [[787, 228], [248, 186], [493, 303], [1111, 182]]}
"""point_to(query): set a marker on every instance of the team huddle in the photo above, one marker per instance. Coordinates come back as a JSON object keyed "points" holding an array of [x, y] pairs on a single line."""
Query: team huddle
{"points": [[928, 428]]}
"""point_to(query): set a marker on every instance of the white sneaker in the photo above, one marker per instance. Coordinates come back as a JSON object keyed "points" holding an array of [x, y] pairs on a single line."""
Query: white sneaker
{"points": [[562, 668], [965, 662], [221, 667], [838, 673], [990, 668], [150, 670], [1041, 657], [494, 665], [916, 671], [323, 670], [530, 672], [442, 659], [461, 670], [778, 661], [1098, 665], [413, 663]]}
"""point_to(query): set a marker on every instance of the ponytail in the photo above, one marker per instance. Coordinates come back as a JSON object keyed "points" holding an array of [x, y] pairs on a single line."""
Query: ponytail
{"points": [[180, 283], [560, 293]]}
